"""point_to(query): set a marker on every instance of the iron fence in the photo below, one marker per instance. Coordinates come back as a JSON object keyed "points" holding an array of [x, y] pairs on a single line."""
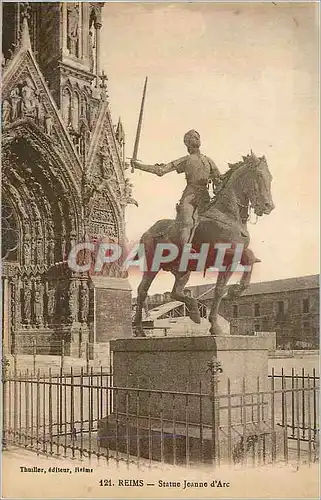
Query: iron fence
{"points": [[86, 415], [299, 396]]}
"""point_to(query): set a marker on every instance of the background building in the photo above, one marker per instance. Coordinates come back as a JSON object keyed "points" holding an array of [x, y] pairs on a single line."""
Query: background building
{"points": [[289, 307], [63, 180]]}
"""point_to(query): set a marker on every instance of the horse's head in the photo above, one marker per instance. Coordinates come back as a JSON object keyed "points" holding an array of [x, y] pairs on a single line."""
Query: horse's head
{"points": [[258, 184]]}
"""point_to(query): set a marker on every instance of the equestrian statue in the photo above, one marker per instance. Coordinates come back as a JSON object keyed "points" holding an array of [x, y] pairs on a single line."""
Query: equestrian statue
{"points": [[201, 220]]}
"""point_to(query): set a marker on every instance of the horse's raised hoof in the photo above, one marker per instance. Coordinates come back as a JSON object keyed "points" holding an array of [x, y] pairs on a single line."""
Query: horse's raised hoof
{"points": [[235, 291], [138, 332]]}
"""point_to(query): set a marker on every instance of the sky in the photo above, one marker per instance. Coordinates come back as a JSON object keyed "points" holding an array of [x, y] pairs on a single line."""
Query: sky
{"points": [[245, 75]]}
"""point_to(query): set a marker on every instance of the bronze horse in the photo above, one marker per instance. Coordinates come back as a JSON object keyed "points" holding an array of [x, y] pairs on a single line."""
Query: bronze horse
{"points": [[245, 186]]}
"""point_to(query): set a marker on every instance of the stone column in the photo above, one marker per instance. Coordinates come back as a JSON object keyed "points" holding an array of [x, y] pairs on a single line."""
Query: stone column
{"points": [[81, 31], [64, 28], [6, 316], [85, 25], [97, 27]]}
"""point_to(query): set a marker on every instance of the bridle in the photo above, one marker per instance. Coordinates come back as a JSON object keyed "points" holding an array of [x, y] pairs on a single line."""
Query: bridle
{"points": [[249, 208]]}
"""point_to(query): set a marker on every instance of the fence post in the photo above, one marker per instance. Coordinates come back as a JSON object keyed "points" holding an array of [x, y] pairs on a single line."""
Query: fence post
{"points": [[62, 354], [5, 395], [87, 357], [34, 352], [214, 367]]}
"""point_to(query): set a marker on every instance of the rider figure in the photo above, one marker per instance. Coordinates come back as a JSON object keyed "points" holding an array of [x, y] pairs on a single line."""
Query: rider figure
{"points": [[199, 172]]}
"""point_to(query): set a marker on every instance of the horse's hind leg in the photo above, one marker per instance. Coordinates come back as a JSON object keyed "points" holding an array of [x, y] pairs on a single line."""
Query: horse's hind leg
{"points": [[248, 259], [141, 298], [220, 289], [177, 293]]}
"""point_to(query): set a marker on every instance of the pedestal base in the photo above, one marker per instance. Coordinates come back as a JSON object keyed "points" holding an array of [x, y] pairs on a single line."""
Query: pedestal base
{"points": [[181, 444], [182, 411]]}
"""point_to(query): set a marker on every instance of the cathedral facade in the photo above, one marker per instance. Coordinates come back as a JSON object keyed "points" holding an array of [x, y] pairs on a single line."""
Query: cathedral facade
{"points": [[63, 181]]}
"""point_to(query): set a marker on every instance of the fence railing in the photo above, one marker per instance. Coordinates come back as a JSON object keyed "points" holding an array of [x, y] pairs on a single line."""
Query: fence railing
{"points": [[304, 400], [86, 415]]}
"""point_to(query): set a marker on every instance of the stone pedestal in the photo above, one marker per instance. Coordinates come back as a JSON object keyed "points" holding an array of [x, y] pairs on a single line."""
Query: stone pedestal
{"points": [[166, 367], [112, 309]]}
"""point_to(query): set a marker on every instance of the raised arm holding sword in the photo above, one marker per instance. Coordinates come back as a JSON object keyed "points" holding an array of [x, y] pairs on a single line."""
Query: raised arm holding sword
{"points": [[199, 172]]}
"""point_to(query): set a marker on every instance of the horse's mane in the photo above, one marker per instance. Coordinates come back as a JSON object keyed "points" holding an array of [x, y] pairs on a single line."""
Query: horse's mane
{"points": [[231, 175], [232, 169]]}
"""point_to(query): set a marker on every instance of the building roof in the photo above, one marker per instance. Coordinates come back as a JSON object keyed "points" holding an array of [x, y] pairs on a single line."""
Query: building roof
{"points": [[276, 286], [157, 312]]}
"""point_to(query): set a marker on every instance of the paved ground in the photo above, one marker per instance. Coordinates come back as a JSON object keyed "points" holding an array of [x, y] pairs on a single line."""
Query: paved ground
{"points": [[277, 482]]}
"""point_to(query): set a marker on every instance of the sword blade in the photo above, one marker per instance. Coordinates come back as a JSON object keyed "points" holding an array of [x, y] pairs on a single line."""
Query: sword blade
{"points": [[139, 125]]}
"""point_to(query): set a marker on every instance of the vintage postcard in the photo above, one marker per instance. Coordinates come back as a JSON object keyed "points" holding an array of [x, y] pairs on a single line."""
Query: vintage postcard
{"points": [[160, 240]]}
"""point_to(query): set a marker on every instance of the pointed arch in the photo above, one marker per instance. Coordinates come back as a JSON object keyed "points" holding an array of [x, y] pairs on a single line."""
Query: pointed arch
{"points": [[38, 180], [10, 230]]}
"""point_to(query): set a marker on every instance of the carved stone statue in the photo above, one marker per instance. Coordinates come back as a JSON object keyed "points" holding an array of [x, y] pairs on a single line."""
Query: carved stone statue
{"points": [[73, 28], [38, 304], [17, 289], [27, 249], [62, 298], [48, 124], [15, 99], [64, 247], [6, 112], [84, 139], [39, 250], [27, 303], [92, 46], [29, 102], [66, 106], [83, 302], [72, 301], [51, 252]]}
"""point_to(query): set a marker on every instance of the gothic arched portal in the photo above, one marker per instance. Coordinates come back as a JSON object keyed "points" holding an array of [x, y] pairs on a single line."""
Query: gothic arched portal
{"points": [[63, 180], [41, 221]]}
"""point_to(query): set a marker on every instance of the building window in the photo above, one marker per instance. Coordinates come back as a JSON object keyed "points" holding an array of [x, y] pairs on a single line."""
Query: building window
{"points": [[235, 311], [280, 307], [257, 327], [305, 305], [256, 309]]}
